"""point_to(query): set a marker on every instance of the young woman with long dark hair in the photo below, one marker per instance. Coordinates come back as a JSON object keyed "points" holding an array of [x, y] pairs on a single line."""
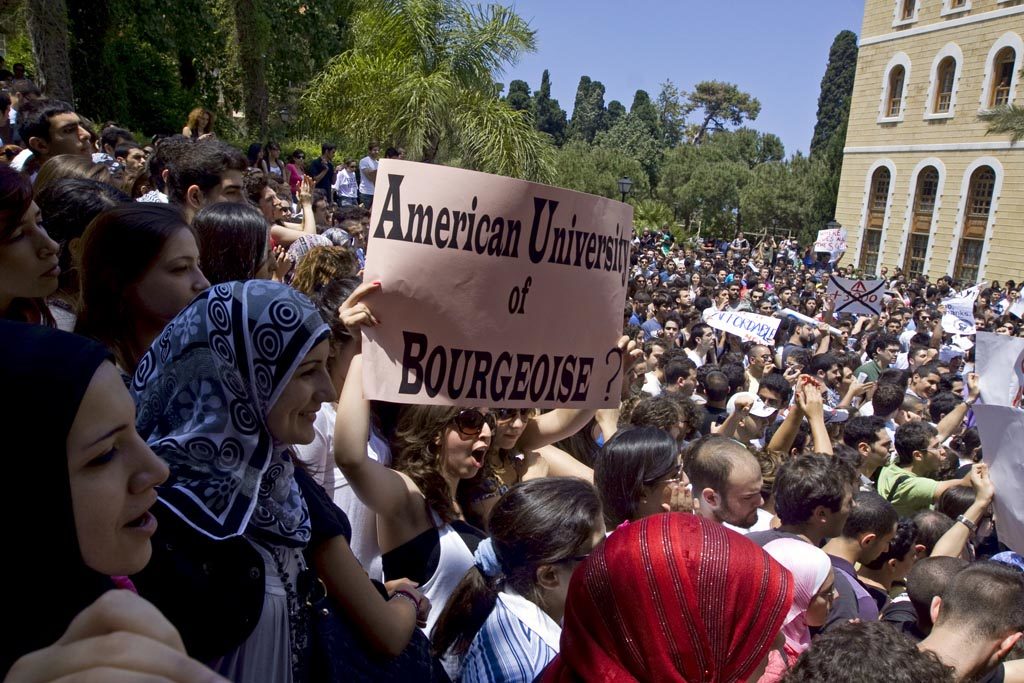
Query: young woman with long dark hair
{"points": [[29, 270], [502, 620], [139, 269]]}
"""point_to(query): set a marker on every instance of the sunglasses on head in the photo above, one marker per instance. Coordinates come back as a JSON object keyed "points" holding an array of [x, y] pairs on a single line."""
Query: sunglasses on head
{"points": [[470, 422], [505, 415]]}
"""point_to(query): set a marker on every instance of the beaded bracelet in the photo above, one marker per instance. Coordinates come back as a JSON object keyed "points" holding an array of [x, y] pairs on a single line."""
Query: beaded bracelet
{"points": [[408, 596]]}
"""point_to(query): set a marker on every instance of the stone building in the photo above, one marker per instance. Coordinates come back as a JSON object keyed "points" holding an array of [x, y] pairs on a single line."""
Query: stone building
{"points": [[924, 187]]}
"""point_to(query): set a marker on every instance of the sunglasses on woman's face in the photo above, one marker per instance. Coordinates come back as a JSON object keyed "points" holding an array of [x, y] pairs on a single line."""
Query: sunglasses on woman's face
{"points": [[506, 415], [470, 422]]}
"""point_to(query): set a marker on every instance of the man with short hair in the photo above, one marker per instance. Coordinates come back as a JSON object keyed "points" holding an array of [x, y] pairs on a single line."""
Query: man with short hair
{"points": [[49, 128], [924, 381], [110, 138], [368, 175], [680, 376], [22, 93], [726, 480], [131, 156], [662, 306], [910, 612], [736, 301], [882, 350], [654, 375], [322, 169], [869, 528], [868, 435], [206, 172], [759, 363], [775, 391], [813, 495], [825, 366], [892, 565], [977, 619], [907, 483]]}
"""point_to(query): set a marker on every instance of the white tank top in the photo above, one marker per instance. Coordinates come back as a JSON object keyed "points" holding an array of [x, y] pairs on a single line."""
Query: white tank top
{"points": [[454, 561]]}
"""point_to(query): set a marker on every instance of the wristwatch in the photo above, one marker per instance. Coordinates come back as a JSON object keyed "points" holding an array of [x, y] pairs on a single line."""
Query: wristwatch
{"points": [[967, 523]]}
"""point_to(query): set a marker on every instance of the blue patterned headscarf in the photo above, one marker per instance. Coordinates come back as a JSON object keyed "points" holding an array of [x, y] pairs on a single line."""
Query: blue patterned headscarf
{"points": [[203, 392]]}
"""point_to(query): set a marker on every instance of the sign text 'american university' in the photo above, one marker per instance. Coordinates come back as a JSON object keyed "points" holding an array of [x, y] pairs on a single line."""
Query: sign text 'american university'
{"points": [[494, 291]]}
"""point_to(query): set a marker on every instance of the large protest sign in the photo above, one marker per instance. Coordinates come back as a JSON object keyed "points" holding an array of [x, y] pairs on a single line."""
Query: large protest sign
{"points": [[494, 291], [1002, 432], [832, 241], [999, 362], [856, 297], [746, 326]]}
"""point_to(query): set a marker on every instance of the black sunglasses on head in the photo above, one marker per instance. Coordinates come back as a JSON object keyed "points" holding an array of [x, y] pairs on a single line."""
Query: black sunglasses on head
{"points": [[470, 421]]}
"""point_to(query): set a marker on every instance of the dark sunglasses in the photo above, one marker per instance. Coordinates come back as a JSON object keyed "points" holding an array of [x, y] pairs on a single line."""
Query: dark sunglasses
{"points": [[470, 422], [505, 415]]}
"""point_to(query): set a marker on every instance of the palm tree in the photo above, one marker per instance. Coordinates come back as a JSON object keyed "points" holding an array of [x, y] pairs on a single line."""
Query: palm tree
{"points": [[1006, 119], [420, 73]]}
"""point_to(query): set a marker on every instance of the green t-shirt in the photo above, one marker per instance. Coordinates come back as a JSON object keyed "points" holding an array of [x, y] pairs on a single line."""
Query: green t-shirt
{"points": [[870, 369], [913, 493]]}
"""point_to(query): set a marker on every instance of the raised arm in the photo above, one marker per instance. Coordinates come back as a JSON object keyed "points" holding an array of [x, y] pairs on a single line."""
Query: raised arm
{"points": [[383, 490], [953, 541], [951, 423]]}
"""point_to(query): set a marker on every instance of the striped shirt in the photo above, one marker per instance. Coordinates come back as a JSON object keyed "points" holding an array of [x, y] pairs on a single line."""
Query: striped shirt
{"points": [[514, 645]]}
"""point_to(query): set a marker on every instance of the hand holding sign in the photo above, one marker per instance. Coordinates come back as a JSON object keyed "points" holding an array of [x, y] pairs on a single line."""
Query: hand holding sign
{"points": [[858, 297], [499, 291]]}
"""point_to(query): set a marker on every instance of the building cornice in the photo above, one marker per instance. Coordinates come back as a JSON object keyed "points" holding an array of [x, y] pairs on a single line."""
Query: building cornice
{"points": [[942, 25]]}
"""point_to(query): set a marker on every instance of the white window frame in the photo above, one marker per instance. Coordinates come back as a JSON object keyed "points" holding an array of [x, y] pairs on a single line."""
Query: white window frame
{"points": [[898, 59], [1008, 39], [897, 11], [948, 10], [865, 207], [949, 50], [961, 211], [909, 215]]}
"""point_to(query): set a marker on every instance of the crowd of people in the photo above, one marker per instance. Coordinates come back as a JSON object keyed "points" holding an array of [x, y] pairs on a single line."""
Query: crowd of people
{"points": [[180, 352]]}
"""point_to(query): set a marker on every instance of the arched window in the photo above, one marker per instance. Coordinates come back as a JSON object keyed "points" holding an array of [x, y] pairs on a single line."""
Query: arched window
{"points": [[976, 215], [878, 201], [921, 220], [945, 79], [1002, 76], [894, 101]]}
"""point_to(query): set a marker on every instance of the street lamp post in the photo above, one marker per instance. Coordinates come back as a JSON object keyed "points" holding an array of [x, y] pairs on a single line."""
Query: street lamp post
{"points": [[625, 185]]}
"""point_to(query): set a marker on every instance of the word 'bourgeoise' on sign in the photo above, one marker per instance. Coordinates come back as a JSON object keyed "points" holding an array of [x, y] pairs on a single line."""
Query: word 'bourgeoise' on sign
{"points": [[483, 234]]}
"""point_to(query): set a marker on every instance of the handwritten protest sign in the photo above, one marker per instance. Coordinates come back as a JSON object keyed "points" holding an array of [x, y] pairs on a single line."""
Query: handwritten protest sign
{"points": [[746, 326], [494, 291], [832, 241], [856, 297]]}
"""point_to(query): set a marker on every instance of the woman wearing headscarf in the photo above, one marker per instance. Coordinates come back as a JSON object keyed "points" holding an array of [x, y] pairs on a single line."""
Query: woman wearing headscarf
{"points": [[813, 592], [87, 524], [224, 392], [671, 597]]}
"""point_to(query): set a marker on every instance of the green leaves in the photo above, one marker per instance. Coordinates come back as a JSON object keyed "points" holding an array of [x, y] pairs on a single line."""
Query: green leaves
{"points": [[1006, 120], [420, 74]]}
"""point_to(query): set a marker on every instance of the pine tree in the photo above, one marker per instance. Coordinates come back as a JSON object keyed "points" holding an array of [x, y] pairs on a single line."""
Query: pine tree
{"points": [[836, 89], [519, 96], [589, 116], [549, 117]]}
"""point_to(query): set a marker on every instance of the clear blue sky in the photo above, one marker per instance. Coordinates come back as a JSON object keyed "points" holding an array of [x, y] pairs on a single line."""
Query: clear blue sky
{"points": [[776, 51]]}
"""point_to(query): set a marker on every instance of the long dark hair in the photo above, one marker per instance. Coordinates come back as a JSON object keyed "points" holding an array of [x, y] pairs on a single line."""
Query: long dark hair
{"points": [[15, 201], [628, 463], [118, 248], [68, 206], [232, 241], [537, 522]]}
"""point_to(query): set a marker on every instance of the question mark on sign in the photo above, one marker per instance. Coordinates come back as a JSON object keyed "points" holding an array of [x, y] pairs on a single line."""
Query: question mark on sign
{"points": [[618, 369]]}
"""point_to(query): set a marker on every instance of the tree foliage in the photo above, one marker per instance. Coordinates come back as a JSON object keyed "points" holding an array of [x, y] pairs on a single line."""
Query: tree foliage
{"points": [[671, 113], [586, 168], [519, 97], [720, 104], [836, 89], [549, 117], [1006, 120], [420, 73], [589, 116], [632, 136]]}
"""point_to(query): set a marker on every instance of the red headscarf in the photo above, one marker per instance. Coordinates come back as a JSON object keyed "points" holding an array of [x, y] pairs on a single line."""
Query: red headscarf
{"points": [[671, 597]]}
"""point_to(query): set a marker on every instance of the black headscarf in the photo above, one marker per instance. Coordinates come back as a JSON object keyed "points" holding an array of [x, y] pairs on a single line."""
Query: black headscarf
{"points": [[44, 374]]}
